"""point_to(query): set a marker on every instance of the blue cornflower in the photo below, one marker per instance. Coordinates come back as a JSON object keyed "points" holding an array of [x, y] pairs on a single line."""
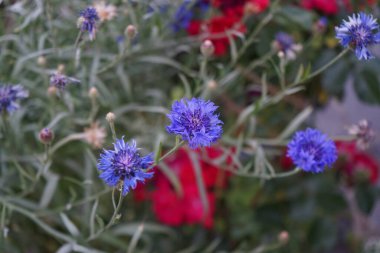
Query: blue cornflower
{"points": [[60, 81], [9, 94], [195, 121], [87, 21], [359, 32], [312, 150], [185, 12], [124, 165]]}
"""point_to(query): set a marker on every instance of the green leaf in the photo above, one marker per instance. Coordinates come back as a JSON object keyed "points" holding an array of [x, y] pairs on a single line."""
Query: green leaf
{"points": [[297, 16]]}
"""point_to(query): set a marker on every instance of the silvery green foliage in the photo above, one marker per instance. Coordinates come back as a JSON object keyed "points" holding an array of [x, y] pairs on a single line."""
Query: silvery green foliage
{"points": [[51, 196]]}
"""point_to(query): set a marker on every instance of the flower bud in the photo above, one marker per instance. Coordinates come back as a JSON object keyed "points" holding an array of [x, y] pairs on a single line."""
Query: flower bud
{"points": [[61, 68], [283, 237], [130, 31], [93, 93], [80, 22], [212, 84], [41, 61], [46, 136], [110, 117], [52, 91], [207, 48]]}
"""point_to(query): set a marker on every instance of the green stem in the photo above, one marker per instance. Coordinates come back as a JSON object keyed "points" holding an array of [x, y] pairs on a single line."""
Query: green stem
{"points": [[112, 220], [320, 70], [169, 152], [80, 34]]}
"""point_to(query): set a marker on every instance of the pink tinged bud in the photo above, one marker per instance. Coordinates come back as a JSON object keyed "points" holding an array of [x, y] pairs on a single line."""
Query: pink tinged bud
{"points": [[131, 31], [46, 136], [283, 237], [93, 93], [41, 61], [207, 48]]}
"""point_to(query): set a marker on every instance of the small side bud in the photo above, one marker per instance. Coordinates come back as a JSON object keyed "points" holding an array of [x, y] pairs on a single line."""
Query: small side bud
{"points": [[46, 136], [41, 61], [283, 237], [207, 48], [212, 84], [61, 68], [80, 22], [110, 117], [131, 31], [93, 93], [52, 91]]}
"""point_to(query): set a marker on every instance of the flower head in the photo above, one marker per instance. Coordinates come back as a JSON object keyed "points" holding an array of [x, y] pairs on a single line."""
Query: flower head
{"points": [[105, 11], [124, 165], [60, 81], [9, 95], [286, 46], [87, 21], [363, 133], [95, 135], [312, 150], [195, 121], [359, 32]]}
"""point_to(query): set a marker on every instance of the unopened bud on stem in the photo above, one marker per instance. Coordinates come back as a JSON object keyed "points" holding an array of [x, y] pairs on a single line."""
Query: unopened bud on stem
{"points": [[130, 31], [207, 48]]}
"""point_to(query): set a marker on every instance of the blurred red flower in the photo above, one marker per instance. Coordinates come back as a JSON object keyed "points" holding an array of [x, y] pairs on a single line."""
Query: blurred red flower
{"points": [[327, 7], [352, 162], [186, 207], [215, 29]]}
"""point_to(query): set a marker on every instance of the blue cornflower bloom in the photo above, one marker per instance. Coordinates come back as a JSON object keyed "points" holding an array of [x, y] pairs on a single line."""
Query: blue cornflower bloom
{"points": [[60, 81], [87, 21], [124, 165], [312, 150], [195, 121], [9, 94], [185, 13], [359, 32]]}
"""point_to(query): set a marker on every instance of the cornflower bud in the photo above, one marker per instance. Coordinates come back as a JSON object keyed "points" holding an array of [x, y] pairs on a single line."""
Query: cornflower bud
{"points": [[207, 48], [93, 93], [130, 31], [46, 136], [110, 117]]}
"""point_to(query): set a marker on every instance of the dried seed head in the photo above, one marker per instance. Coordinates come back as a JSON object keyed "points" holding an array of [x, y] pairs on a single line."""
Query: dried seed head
{"points": [[363, 133], [110, 117]]}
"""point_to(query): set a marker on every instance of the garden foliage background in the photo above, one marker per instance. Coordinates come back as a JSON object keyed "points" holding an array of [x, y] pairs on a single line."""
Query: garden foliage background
{"points": [[271, 66]]}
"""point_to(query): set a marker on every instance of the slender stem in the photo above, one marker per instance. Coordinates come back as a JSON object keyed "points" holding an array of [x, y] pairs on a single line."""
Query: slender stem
{"points": [[79, 37], [115, 216], [112, 126], [252, 37], [64, 141], [320, 70], [170, 152]]}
